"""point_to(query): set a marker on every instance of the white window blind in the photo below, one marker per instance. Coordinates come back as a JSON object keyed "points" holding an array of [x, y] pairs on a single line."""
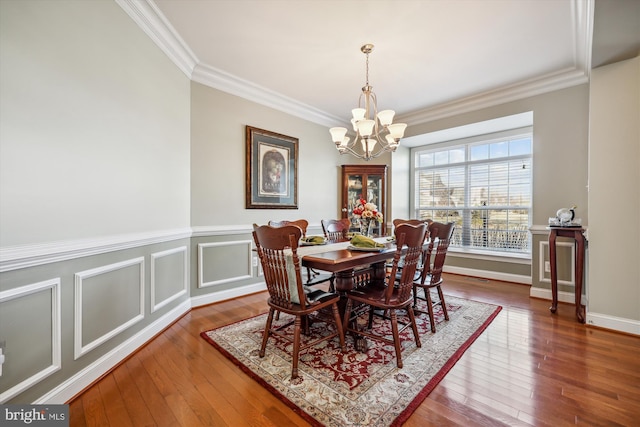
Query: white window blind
{"points": [[483, 185]]}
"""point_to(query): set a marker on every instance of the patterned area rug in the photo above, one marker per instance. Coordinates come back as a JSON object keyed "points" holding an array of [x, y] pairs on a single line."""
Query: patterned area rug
{"points": [[356, 388]]}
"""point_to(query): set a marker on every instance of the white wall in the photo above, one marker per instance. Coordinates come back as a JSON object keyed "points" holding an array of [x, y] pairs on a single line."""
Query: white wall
{"points": [[401, 183], [94, 125], [614, 195]]}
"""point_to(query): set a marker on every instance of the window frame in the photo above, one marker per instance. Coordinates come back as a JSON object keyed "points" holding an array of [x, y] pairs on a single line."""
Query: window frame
{"points": [[487, 138]]}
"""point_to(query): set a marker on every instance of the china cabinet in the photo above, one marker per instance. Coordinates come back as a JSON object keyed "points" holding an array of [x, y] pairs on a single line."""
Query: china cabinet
{"points": [[367, 182]]}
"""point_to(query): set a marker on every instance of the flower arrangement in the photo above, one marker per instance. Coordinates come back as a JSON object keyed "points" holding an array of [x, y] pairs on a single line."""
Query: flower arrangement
{"points": [[367, 211]]}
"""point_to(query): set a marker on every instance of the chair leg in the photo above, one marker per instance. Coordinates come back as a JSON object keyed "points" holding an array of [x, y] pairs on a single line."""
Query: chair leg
{"points": [[442, 303], [296, 346], [396, 337], [267, 332], [370, 322], [427, 293], [414, 326], [336, 316]]}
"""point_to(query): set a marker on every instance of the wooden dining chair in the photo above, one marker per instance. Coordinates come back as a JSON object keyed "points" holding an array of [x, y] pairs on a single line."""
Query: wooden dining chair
{"points": [[433, 259], [277, 250], [336, 230], [313, 277], [396, 223], [393, 295]]}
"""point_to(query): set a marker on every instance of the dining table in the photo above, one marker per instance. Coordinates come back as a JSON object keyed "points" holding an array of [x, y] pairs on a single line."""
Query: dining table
{"points": [[351, 266], [347, 262]]}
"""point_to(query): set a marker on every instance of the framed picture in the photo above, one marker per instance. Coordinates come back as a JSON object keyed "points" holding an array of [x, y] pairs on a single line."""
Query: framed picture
{"points": [[272, 170]]}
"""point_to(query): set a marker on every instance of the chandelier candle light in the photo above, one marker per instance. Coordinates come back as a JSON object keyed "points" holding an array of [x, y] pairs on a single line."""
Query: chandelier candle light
{"points": [[372, 128]]}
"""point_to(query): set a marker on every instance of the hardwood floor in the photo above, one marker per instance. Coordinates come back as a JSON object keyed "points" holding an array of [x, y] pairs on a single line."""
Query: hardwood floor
{"points": [[529, 367]]}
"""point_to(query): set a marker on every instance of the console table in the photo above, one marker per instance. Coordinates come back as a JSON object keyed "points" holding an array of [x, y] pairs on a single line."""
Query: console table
{"points": [[576, 233]]}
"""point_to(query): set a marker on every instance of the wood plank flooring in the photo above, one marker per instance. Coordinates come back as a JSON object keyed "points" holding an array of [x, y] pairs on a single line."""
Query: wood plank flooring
{"points": [[529, 367]]}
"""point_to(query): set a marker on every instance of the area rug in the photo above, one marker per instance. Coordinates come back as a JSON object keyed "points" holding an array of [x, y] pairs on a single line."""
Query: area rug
{"points": [[356, 388]]}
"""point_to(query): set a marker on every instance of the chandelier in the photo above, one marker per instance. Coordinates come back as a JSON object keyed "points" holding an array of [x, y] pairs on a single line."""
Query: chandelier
{"points": [[375, 136]]}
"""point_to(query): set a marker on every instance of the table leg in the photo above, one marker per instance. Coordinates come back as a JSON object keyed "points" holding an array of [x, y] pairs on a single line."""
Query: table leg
{"points": [[379, 274], [579, 275], [554, 271]]}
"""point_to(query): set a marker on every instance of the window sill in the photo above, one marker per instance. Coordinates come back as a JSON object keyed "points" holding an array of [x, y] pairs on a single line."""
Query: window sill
{"points": [[490, 256]]}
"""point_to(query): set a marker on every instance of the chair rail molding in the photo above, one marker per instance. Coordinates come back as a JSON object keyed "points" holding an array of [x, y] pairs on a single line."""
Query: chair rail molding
{"points": [[24, 256]]}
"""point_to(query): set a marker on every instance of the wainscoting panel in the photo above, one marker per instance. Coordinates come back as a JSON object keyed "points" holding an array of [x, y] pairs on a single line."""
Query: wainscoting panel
{"points": [[31, 344], [169, 278], [107, 300], [566, 260], [222, 262]]}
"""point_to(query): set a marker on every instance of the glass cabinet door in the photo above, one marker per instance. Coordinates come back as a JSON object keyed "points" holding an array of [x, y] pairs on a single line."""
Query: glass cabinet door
{"points": [[354, 193], [364, 182], [374, 195]]}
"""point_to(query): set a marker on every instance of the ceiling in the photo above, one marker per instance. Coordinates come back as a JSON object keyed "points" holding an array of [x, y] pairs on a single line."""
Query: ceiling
{"points": [[432, 58]]}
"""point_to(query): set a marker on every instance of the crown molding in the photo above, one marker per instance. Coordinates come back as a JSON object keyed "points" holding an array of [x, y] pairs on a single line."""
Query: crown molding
{"points": [[234, 85], [146, 14], [583, 32], [537, 86]]}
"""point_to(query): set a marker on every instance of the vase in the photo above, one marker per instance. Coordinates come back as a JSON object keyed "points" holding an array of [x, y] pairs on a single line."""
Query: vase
{"points": [[365, 227]]}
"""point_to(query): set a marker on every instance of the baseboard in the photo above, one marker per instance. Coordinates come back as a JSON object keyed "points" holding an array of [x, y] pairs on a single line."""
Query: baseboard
{"points": [[605, 321], [227, 294], [83, 379], [568, 297], [485, 274], [619, 324]]}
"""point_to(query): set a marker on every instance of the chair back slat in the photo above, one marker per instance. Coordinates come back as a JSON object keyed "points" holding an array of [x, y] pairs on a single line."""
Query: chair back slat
{"points": [[277, 251], [411, 236]]}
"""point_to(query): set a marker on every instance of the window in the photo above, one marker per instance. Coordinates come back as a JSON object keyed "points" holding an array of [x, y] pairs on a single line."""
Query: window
{"points": [[481, 183]]}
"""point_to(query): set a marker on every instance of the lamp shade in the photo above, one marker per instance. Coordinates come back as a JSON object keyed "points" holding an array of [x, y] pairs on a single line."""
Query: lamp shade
{"points": [[337, 134], [393, 144], [368, 144], [358, 113], [386, 117], [396, 130], [365, 127]]}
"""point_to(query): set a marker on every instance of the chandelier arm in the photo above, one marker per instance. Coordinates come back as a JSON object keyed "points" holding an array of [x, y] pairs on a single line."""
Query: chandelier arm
{"points": [[381, 150], [372, 155], [349, 150]]}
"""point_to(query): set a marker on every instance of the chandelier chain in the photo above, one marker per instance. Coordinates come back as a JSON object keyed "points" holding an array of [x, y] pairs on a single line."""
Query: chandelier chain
{"points": [[367, 73]]}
